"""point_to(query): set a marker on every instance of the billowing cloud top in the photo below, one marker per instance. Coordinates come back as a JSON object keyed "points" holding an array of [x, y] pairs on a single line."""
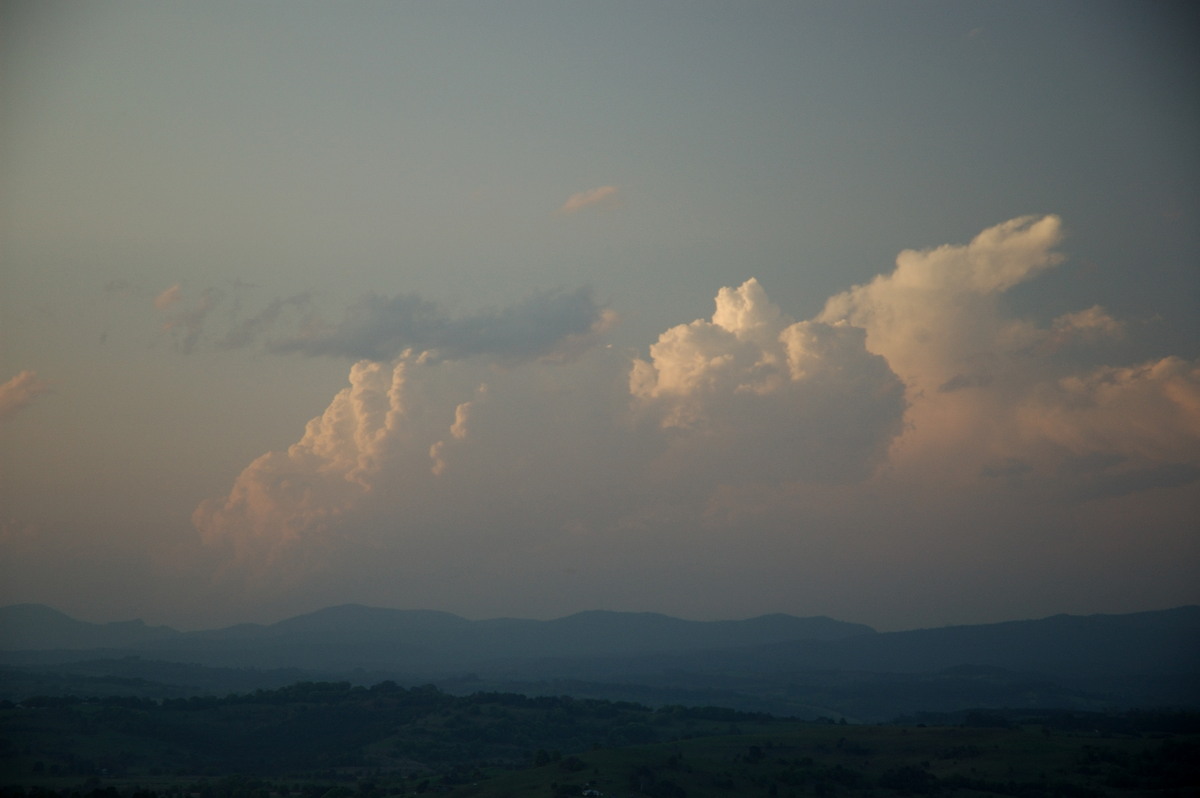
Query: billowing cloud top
{"points": [[285, 499], [983, 395], [915, 396], [380, 329], [935, 317], [779, 399]]}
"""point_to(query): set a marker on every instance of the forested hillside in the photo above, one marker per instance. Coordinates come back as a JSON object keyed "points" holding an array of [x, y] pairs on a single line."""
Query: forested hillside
{"points": [[309, 738]]}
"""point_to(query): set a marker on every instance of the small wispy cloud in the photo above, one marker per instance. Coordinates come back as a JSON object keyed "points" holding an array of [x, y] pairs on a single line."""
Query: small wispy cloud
{"points": [[168, 297], [250, 329], [186, 324], [604, 197], [19, 392]]}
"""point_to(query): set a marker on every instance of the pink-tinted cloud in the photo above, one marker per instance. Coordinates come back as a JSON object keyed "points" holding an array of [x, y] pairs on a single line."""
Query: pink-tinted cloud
{"points": [[767, 397], [1089, 326], [168, 297], [936, 315], [19, 391], [600, 197], [912, 427], [458, 432], [186, 325], [1147, 413], [982, 394], [293, 497]]}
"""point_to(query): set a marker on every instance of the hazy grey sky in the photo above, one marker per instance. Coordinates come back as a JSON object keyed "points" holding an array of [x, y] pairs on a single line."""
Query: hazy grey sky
{"points": [[884, 311]]}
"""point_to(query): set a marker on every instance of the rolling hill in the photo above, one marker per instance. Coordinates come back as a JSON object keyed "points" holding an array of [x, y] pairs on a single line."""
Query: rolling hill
{"points": [[804, 667]]}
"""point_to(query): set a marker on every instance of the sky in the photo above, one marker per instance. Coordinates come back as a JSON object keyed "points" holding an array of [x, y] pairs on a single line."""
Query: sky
{"points": [[883, 311]]}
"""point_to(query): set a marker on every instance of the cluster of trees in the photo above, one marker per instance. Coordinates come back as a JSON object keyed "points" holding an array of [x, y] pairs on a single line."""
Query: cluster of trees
{"points": [[338, 740], [320, 727]]}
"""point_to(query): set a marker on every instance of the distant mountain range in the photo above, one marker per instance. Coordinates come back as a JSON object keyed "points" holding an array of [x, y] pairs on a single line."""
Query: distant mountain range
{"points": [[780, 663], [1160, 643], [354, 636]]}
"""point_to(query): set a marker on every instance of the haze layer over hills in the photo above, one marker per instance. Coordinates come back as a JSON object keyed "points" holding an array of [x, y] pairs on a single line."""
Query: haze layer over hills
{"points": [[776, 663]]}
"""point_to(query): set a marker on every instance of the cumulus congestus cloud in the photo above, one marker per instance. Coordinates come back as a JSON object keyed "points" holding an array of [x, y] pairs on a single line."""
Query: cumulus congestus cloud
{"points": [[293, 498], [917, 395], [983, 390], [753, 395], [936, 316]]}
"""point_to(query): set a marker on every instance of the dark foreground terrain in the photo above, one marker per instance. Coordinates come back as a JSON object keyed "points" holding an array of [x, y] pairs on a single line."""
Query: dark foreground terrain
{"points": [[336, 740]]}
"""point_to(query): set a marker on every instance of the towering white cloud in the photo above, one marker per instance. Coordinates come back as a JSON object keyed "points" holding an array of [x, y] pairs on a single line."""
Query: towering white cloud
{"points": [[458, 432], [985, 398], [935, 317], [763, 397], [914, 414], [296, 496]]}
